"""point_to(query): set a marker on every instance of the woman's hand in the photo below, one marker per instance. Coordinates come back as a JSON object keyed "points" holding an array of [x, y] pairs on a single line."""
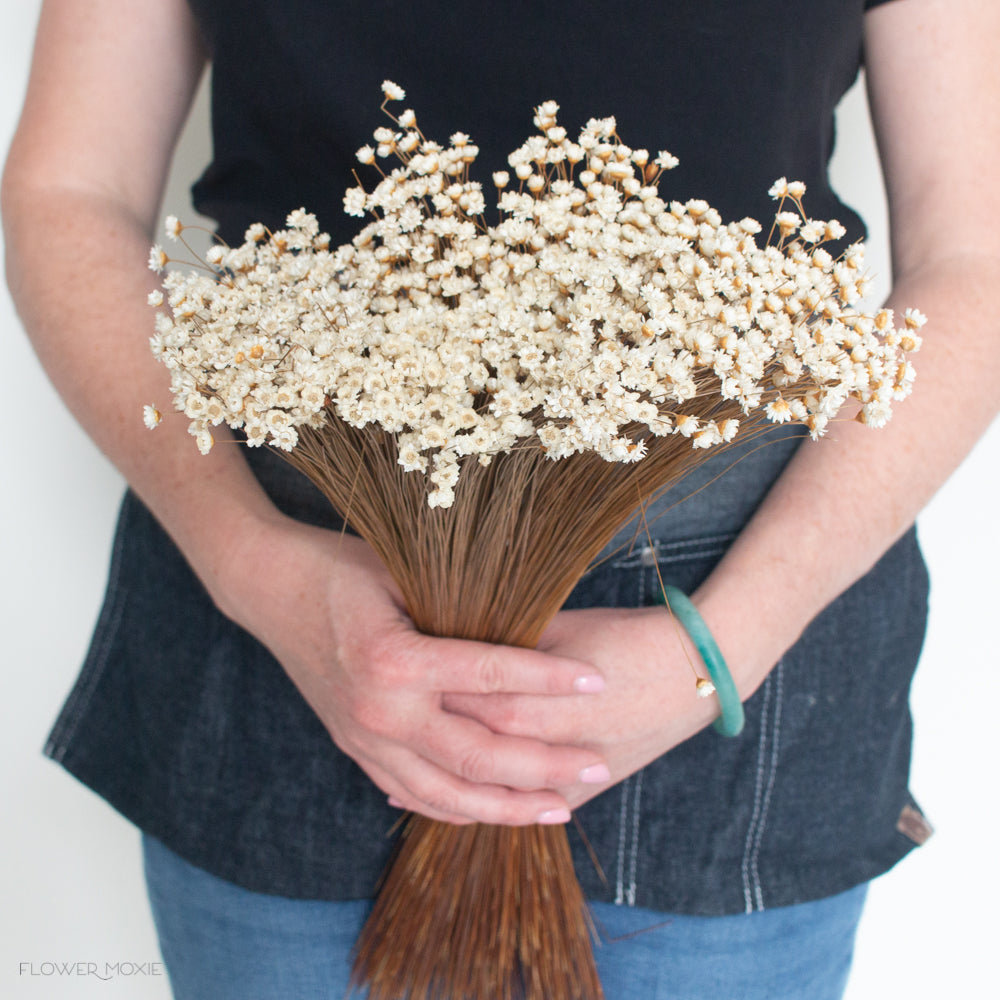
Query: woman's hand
{"points": [[648, 706], [332, 616]]}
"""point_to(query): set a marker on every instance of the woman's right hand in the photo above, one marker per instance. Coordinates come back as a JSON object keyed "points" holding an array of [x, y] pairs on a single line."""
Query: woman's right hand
{"points": [[331, 614]]}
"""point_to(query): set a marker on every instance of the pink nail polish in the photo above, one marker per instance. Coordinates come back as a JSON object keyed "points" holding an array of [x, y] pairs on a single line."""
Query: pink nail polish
{"points": [[552, 816], [591, 684], [596, 774], [395, 803]]}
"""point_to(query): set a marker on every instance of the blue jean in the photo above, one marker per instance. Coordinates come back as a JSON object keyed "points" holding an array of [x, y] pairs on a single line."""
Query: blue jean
{"points": [[222, 942]]}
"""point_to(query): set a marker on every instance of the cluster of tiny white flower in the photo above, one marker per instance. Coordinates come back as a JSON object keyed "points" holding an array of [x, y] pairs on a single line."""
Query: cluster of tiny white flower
{"points": [[593, 315]]}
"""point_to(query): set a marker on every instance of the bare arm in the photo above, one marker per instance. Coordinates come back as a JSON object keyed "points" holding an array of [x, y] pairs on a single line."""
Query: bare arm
{"points": [[108, 93], [110, 87], [934, 88]]}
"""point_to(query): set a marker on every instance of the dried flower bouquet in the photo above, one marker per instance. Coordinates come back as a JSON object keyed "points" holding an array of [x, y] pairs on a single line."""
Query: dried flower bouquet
{"points": [[487, 405]]}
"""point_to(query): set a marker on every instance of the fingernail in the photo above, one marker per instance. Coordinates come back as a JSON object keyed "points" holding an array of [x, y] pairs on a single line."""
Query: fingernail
{"points": [[553, 816], [595, 774], [395, 803], [590, 684]]}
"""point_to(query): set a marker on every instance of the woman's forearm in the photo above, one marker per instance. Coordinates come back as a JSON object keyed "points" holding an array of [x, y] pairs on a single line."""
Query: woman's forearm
{"points": [[109, 90], [934, 90], [76, 268]]}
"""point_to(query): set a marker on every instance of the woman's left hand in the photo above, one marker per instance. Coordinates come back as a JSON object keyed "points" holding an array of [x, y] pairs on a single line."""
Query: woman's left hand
{"points": [[649, 703]]}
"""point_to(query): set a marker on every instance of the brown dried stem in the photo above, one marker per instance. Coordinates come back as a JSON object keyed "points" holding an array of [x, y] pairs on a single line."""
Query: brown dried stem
{"points": [[470, 913]]}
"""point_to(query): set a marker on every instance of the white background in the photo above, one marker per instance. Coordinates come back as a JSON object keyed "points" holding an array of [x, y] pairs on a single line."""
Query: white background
{"points": [[71, 884]]}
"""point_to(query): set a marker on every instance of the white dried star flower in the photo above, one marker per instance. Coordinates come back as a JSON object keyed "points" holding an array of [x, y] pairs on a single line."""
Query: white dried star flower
{"points": [[172, 227], [409, 142], [813, 231], [875, 414], [205, 441], [441, 498], [392, 91], [787, 222], [151, 416], [686, 424], [355, 200], [704, 687], [834, 230], [778, 410], [157, 259], [155, 297]]}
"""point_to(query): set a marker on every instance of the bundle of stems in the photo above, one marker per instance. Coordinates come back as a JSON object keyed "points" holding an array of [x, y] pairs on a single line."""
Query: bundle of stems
{"points": [[477, 912]]}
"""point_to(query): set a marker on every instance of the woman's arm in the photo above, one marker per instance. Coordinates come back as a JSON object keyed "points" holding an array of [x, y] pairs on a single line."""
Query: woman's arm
{"points": [[934, 90], [934, 85], [110, 87]]}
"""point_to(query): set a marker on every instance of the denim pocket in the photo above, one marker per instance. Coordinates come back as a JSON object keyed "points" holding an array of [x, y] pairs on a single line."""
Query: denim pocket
{"points": [[630, 576]]}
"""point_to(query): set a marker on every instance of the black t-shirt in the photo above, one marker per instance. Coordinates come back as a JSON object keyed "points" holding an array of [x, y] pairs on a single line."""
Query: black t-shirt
{"points": [[741, 91]]}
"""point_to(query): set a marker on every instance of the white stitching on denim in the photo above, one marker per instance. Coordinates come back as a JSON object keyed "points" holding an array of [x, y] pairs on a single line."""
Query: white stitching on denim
{"points": [[709, 545], [634, 848], [773, 770], [703, 540], [622, 822], [671, 557], [748, 894]]}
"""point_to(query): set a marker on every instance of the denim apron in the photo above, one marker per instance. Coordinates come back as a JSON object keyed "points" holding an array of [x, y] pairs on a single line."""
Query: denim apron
{"points": [[191, 729]]}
